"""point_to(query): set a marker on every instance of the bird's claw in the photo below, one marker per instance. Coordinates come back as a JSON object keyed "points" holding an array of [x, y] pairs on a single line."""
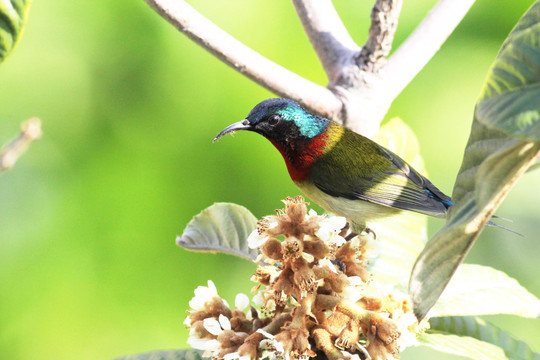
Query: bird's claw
{"points": [[368, 231]]}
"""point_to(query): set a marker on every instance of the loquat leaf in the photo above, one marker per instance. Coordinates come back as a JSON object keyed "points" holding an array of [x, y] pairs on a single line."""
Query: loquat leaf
{"points": [[504, 141], [13, 15], [481, 290], [482, 330], [222, 227]]}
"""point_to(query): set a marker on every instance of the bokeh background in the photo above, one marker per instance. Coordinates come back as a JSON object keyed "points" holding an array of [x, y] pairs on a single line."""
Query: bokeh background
{"points": [[89, 268]]}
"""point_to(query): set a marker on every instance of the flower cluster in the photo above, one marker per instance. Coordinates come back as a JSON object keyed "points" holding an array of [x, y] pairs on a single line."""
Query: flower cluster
{"points": [[314, 297]]}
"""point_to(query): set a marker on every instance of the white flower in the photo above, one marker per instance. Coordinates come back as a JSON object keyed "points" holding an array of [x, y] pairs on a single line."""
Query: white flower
{"points": [[356, 280], [330, 228], [187, 321], [355, 290], [216, 327], [271, 345], [203, 294], [404, 322], [256, 240], [208, 345], [351, 293], [311, 212], [241, 301]]}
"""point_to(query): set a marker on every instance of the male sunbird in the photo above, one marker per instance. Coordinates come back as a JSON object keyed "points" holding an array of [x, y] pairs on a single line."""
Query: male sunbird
{"points": [[344, 172]]}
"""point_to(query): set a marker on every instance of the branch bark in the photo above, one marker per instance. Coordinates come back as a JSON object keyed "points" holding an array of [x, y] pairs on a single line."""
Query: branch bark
{"points": [[30, 131], [245, 60], [361, 86], [329, 37], [422, 45], [384, 20]]}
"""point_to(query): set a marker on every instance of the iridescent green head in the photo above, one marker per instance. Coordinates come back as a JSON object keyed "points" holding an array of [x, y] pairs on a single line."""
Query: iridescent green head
{"points": [[280, 120]]}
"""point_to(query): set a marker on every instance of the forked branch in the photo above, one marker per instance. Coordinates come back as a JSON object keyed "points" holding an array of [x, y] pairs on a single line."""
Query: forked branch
{"points": [[328, 35], [362, 85]]}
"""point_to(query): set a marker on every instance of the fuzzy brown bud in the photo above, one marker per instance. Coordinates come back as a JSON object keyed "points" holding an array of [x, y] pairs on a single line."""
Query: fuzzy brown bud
{"points": [[371, 303], [338, 282], [385, 329], [229, 339], [251, 346], [294, 340], [296, 209], [317, 248], [284, 282], [272, 249]]}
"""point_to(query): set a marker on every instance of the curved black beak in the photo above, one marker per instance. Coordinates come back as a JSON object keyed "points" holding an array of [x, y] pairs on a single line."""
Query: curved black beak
{"points": [[241, 125]]}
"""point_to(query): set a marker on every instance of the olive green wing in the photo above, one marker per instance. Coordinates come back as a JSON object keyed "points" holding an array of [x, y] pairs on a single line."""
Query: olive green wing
{"points": [[357, 168]]}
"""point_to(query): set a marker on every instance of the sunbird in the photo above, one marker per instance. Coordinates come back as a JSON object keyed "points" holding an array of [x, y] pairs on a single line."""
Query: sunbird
{"points": [[344, 172]]}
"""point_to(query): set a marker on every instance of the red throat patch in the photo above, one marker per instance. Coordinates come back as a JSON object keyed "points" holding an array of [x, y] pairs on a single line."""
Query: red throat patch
{"points": [[303, 156]]}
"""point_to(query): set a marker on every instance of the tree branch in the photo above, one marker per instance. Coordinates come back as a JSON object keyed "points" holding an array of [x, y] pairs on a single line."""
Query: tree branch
{"points": [[422, 44], [245, 60], [329, 37], [30, 131], [384, 20]]}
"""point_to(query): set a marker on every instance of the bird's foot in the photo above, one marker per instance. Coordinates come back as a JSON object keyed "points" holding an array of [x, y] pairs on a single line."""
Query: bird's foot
{"points": [[350, 236], [368, 231]]}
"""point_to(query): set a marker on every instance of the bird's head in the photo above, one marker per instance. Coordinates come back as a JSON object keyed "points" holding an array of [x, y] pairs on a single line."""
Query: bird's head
{"points": [[281, 121]]}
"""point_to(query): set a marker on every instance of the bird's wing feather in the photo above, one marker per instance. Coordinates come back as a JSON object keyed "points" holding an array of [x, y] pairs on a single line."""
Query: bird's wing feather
{"points": [[385, 180]]}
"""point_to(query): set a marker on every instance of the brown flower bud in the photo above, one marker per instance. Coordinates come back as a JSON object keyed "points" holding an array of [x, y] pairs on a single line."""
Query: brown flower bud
{"points": [[250, 347], [338, 282], [296, 209], [384, 329], [371, 303], [284, 282], [317, 248], [272, 249]]}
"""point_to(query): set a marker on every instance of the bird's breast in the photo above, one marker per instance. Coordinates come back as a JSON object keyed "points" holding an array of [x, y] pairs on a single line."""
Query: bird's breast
{"points": [[300, 156]]}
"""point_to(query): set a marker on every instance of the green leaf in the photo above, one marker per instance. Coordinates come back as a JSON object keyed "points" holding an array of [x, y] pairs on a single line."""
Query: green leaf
{"points": [[462, 345], [185, 354], [400, 238], [13, 15], [481, 290], [482, 330], [504, 141], [222, 227]]}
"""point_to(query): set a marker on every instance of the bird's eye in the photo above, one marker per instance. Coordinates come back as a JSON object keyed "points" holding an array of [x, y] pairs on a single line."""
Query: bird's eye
{"points": [[274, 119]]}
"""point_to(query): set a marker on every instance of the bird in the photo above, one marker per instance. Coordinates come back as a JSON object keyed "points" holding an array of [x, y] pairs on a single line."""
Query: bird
{"points": [[347, 174]]}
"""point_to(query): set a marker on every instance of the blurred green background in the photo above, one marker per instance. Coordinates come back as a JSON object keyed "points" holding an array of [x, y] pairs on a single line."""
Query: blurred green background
{"points": [[89, 268]]}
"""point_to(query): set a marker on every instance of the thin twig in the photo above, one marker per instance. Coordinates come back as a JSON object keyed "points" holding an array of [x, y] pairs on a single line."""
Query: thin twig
{"points": [[384, 20], [30, 131], [422, 44], [245, 60], [329, 37]]}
